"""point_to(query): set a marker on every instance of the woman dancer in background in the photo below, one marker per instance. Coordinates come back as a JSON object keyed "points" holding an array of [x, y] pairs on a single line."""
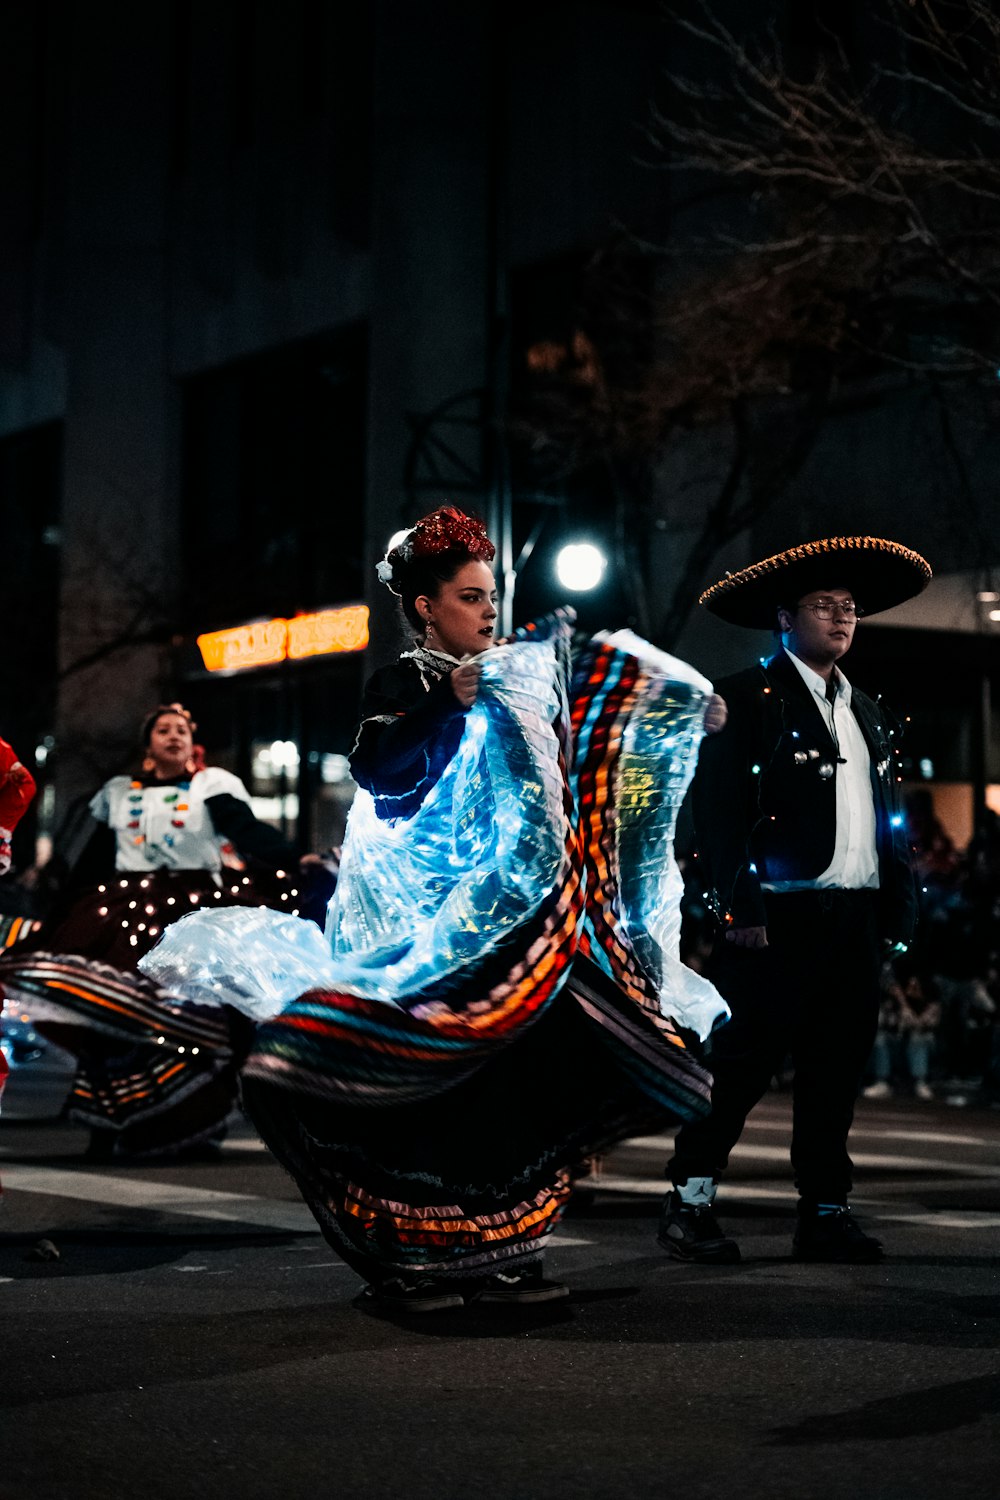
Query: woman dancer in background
{"points": [[152, 1078]]}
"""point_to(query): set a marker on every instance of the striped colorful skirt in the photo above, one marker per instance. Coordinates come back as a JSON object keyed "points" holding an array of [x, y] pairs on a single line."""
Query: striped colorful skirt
{"points": [[154, 1074], [497, 998]]}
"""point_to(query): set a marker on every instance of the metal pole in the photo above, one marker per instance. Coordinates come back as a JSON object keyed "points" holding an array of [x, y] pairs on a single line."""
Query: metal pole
{"points": [[982, 747], [500, 500]]}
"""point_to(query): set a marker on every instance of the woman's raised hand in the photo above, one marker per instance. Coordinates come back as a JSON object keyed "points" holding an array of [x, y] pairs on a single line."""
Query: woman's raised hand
{"points": [[716, 714], [465, 683]]}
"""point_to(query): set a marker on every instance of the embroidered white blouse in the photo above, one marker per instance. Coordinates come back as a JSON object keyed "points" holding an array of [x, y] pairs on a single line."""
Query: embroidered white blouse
{"points": [[158, 842]]}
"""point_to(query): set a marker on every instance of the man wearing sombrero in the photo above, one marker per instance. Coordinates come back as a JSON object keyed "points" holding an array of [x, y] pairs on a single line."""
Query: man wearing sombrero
{"points": [[804, 856]]}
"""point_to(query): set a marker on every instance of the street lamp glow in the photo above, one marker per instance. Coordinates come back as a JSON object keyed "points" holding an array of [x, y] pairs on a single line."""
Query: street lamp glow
{"points": [[580, 566]]}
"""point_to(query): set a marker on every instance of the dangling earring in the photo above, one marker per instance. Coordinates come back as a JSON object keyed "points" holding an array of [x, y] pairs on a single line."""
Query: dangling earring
{"points": [[429, 628], [149, 764]]}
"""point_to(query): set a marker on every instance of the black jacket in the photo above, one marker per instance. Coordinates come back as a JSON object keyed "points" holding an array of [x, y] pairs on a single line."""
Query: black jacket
{"points": [[411, 724], [765, 797]]}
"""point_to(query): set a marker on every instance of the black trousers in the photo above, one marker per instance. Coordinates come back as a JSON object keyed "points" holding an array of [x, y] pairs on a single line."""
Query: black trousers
{"points": [[812, 993]]}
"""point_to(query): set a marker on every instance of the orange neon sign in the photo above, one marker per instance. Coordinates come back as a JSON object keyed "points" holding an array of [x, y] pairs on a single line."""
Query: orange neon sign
{"points": [[256, 645], [330, 630], [266, 642]]}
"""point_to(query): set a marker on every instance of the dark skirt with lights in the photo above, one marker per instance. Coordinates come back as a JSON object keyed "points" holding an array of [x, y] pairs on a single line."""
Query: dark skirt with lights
{"points": [[155, 1075]]}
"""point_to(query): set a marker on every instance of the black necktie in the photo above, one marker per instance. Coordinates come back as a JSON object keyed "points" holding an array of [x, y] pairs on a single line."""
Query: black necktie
{"points": [[831, 698]]}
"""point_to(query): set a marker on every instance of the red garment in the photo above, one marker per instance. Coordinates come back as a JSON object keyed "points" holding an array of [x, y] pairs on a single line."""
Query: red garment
{"points": [[17, 787], [4, 1070]]}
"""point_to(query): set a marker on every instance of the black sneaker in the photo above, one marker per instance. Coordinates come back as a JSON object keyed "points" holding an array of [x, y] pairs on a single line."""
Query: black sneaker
{"points": [[834, 1236], [518, 1289], [693, 1233], [423, 1294]]}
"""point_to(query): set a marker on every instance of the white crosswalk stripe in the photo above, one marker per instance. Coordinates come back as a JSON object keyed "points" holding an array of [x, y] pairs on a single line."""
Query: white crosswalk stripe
{"points": [[861, 1131], [899, 1162], [136, 1193], [128, 1192], [635, 1168], [738, 1192]]}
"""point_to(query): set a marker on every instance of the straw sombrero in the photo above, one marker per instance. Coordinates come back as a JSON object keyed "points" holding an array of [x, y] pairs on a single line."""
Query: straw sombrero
{"points": [[878, 573]]}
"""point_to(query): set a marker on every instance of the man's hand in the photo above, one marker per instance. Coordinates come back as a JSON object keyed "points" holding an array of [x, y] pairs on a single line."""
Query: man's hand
{"points": [[716, 714], [747, 937], [465, 683]]}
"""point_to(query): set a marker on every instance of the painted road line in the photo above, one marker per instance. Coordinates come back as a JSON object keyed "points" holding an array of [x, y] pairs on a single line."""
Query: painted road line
{"points": [[946, 1219], [894, 1191], [651, 1187], [925, 1137], [137, 1194], [318, 1265], [645, 1187], [880, 1132], [933, 1137], [859, 1130], [960, 1220], [749, 1152], [199, 1203], [883, 1160]]}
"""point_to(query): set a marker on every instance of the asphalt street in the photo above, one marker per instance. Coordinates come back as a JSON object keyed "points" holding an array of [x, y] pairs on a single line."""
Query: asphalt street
{"points": [[196, 1337]]}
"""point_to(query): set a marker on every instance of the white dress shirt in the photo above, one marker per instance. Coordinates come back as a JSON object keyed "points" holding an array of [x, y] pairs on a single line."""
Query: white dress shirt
{"points": [[854, 866]]}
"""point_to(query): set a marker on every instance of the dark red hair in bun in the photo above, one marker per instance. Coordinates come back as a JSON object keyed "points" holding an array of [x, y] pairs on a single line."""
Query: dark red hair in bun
{"points": [[430, 554]]}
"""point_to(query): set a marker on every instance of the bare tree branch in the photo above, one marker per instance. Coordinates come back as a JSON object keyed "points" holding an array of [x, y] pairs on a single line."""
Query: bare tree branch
{"points": [[839, 227]]}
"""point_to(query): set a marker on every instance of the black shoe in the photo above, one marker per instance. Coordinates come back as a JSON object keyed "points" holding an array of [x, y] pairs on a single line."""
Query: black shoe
{"points": [[693, 1233], [834, 1236], [518, 1289], [422, 1294]]}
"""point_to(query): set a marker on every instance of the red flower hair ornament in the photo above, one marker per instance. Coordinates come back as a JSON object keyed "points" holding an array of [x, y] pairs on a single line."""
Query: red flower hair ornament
{"points": [[446, 529]]}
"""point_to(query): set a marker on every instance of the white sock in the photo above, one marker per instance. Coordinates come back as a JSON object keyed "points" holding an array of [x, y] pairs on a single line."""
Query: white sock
{"points": [[698, 1192]]}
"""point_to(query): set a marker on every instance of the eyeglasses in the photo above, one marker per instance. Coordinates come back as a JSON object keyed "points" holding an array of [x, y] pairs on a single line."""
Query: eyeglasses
{"points": [[825, 609]]}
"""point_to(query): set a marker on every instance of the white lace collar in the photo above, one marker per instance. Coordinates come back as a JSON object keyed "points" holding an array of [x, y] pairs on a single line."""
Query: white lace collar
{"points": [[431, 663]]}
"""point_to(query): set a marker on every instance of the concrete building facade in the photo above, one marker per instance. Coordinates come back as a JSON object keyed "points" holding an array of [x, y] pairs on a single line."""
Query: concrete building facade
{"points": [[256, 282]]}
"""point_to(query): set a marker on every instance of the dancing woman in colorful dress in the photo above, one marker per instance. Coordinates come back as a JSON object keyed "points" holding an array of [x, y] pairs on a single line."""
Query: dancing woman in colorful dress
{"points": [[498, 993], [153, 1077]]}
